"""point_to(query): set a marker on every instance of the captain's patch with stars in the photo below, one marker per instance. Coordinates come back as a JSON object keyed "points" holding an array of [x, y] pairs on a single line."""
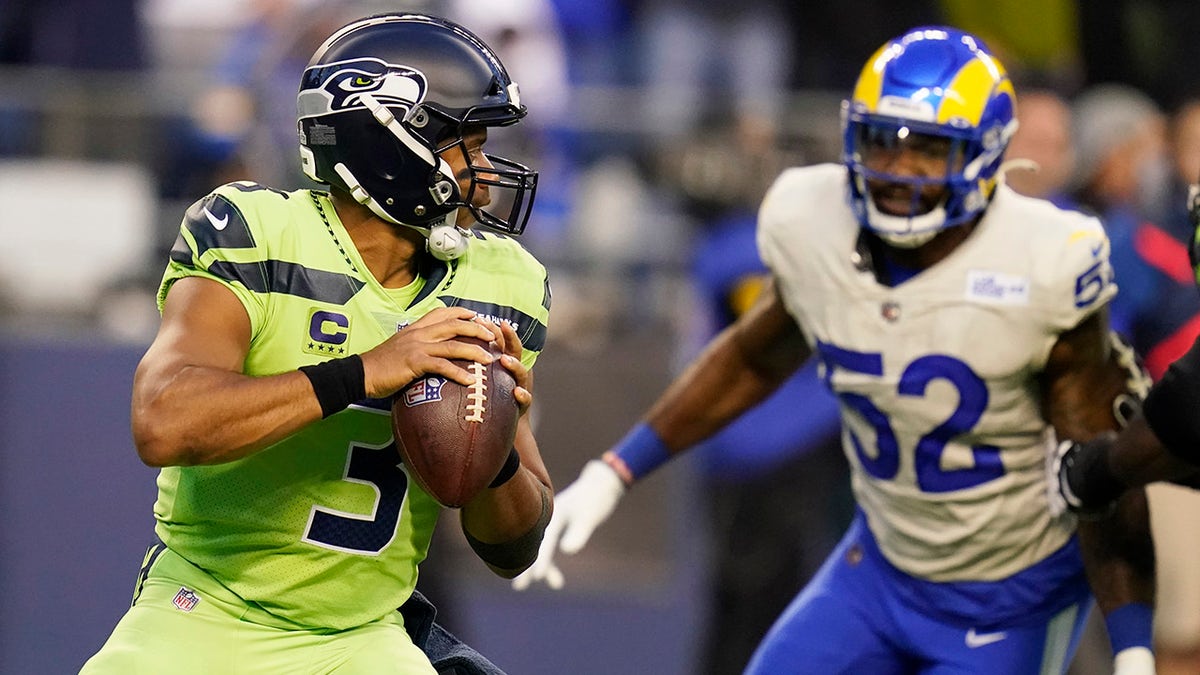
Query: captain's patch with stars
{"points": [[328, 333]]}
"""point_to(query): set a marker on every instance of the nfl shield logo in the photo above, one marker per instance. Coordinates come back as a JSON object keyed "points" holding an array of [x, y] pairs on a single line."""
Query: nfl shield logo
{"points": [[185, 599], [425, 390]]}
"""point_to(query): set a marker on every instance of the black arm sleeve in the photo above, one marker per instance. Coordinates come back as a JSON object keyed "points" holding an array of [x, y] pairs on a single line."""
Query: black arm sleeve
{"points": [[516, 555], [1172, 408]]}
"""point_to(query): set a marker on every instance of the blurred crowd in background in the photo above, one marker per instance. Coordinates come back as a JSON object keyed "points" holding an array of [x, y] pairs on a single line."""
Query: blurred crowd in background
{"points": [[657, 125], [650, 119]]}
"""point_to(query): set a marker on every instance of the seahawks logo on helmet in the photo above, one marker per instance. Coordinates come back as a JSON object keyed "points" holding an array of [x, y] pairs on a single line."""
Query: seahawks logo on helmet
{"points": [[341, 86]]}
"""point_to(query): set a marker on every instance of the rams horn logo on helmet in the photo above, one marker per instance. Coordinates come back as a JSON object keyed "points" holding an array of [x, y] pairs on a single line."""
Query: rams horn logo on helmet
{"points": [[340, 86]]}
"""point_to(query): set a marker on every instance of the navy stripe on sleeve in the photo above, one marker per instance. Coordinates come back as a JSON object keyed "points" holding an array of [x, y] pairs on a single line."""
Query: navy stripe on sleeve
{"points": [[215, 222], [276, 276]]}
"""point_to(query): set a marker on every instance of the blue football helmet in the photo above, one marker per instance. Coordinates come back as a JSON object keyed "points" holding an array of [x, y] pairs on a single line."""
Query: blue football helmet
{"points": [[383, 96], [939, 87]]}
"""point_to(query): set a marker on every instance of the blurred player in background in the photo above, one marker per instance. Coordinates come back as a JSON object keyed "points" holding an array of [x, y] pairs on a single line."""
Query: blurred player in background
{"points": [[288, 532], [963, 328]]}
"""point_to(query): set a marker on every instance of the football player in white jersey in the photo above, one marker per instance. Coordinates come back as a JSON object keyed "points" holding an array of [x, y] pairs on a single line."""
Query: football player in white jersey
{"points": [[963, 328]]}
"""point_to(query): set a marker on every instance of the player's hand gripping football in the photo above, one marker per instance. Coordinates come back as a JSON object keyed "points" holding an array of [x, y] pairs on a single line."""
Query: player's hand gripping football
{"points": [[578, 510], [427, 347], [510, 344]]}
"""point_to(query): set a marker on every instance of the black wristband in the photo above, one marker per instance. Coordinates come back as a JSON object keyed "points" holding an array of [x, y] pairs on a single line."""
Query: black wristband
{"points": [[337, 383], [508, 470]]}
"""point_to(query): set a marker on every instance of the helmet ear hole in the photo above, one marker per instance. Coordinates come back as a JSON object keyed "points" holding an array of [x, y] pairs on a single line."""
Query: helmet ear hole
{"points": [[419, 117], [442, 191]]}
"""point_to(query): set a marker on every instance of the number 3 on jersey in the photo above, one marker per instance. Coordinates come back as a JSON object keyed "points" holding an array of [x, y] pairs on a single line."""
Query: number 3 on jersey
{"points": [[369, 533], [927, 455]]}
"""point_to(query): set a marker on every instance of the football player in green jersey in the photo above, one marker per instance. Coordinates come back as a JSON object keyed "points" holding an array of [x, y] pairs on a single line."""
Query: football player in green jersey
{"points": [[288, 532]]}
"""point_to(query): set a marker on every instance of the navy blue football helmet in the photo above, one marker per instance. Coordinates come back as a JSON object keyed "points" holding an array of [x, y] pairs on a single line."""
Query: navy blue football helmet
{"points": [[383, 96]]}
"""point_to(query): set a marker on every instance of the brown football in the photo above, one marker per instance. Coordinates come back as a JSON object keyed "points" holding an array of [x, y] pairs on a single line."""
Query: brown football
{"points": [[455, 439]]}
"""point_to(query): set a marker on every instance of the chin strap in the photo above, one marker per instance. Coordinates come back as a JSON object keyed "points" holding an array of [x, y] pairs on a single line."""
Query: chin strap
{"points": [[444, 187], [444, 241]]}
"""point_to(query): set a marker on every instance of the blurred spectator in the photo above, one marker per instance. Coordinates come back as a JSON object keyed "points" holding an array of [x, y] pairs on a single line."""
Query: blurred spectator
{"points": [[601, 63], [243, 123], [1044, 137], [1128, 176], [596, 34], [693, 49], [775, 482], [1121, 176], [79, 35], [528, 36]]}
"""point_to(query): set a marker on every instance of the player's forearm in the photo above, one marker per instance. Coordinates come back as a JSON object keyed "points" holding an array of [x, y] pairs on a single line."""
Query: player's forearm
{"points": [[202, 415], [717, 387], [1137, 457], [505, 525], [1170, 414], [1118, 553]]}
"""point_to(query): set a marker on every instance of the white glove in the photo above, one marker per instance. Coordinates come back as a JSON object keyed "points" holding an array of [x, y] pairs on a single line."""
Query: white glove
{"points": [[1054, 479], [578, 510], [1134, 661], [1058, 490]]}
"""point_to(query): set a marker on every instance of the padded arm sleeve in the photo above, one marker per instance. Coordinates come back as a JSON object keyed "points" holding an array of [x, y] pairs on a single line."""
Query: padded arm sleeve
{"points": [[1172, 408]]}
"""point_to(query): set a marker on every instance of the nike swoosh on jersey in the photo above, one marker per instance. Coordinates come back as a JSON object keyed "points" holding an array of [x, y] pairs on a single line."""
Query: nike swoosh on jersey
{"points": [[975, 640], [218, 223]]}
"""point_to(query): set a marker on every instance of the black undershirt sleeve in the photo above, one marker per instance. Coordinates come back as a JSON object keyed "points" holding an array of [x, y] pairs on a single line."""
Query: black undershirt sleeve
{"points": [[1172, 408]]}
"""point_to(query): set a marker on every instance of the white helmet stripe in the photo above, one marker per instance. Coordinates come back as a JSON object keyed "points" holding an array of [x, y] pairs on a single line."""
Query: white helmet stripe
{"points": [[448, 247]]}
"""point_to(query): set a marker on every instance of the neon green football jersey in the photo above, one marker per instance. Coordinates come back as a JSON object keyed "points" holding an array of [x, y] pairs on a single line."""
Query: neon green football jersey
{"points": [[324, 529]]}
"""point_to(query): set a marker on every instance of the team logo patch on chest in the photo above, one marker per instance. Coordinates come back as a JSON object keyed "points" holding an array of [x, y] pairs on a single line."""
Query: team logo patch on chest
{"points": [[996, 288], [328, 333]]}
